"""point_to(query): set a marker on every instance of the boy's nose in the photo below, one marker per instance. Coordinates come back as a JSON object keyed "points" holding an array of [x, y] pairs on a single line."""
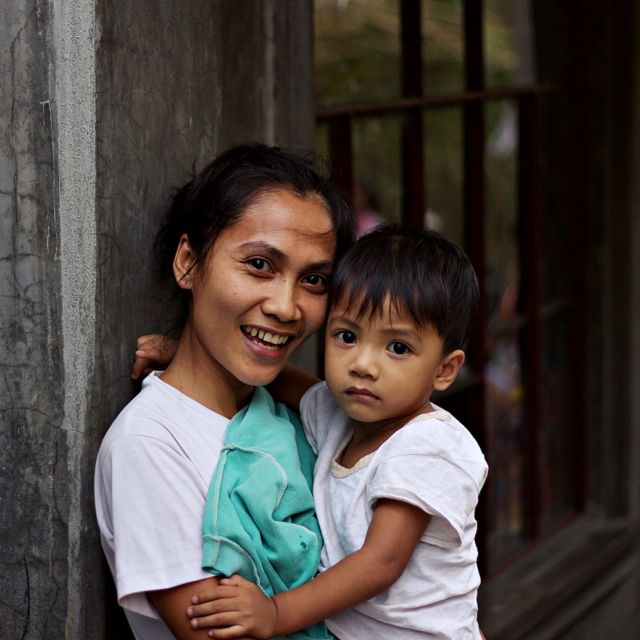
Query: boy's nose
{"points": [[364, 364]]}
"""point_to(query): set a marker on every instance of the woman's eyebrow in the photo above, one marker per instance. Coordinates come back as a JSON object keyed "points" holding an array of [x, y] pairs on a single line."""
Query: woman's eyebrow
{"points": [[276, 254], [264, 246], [323, 265]]}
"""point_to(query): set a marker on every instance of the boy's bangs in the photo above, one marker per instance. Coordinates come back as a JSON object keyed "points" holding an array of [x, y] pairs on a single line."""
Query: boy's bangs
{"points": [[368, 295]]}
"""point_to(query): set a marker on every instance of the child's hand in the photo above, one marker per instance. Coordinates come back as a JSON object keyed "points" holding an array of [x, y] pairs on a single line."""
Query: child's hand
{"points": [[154, 351], [238, 606]]}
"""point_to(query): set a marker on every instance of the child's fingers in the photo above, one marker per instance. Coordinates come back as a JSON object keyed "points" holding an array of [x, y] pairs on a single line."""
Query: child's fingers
{"points": [[234, 632], [150, 341], [207, 608], [163, 346], [140, 367], [153, 351], [237, 581], [223, 619], [153, 355], [212, 595]]}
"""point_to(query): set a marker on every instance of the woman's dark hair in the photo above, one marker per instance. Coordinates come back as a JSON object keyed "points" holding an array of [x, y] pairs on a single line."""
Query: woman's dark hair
{"points": [[421, 273], [217, 197]]}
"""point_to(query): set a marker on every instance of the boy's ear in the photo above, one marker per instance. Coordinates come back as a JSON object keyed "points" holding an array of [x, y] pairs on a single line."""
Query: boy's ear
{"points": [[448, 370], [183, 263]]}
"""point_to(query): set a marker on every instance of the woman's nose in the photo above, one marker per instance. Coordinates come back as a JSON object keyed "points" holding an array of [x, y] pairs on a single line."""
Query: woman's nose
{"points": [[282, 302]]}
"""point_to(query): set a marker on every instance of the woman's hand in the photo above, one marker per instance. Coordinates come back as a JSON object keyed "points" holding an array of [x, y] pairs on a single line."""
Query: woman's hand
{"points": [[153, 351], [237, 605]]}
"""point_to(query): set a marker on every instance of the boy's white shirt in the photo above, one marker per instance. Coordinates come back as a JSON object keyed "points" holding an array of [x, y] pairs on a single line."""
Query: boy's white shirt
{"points": [[152, 475], [433, 463]]}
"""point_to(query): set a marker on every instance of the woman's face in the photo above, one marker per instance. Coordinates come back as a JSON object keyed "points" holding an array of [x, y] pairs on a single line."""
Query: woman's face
{"points": [[262, 290]]}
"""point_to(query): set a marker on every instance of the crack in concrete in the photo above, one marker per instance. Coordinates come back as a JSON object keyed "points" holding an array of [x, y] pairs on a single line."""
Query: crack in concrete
{"points": [[27, 600]]}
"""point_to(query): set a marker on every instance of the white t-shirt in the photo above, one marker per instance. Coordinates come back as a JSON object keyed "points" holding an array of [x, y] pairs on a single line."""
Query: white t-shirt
{"points": [[152, 475], [433, 463]]}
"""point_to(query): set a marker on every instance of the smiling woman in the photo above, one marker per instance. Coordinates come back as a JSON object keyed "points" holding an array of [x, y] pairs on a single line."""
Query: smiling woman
{"points": [[251, 243], [263, 289]]}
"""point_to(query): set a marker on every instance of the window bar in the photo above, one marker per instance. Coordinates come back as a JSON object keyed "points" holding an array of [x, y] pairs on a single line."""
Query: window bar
{"points": [[578, 172], [341, 159], [456, 99], [341, 154], [474, 233], [474, 187], [530, 298], [413, 175]]}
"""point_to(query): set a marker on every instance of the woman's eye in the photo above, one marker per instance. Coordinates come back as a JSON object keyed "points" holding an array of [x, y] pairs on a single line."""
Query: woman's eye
{"points": [[347, 337], [316, 280], [259, 264], [399, 348]]}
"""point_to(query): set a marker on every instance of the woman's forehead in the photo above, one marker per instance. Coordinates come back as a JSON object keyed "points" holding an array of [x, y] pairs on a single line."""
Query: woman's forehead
{"points": [[284, 221], [304, 213]]}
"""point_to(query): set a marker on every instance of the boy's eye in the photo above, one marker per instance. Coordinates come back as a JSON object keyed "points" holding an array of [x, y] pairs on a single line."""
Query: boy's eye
{"points": [[347, 337], [399, 348]]}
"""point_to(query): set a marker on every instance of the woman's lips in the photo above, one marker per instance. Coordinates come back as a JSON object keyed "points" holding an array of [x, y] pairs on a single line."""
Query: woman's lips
{"points": [[265, 335], [266, 344]]}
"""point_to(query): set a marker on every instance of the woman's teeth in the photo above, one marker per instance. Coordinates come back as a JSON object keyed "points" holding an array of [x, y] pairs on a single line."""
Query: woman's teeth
{"points": [[265, 336]]}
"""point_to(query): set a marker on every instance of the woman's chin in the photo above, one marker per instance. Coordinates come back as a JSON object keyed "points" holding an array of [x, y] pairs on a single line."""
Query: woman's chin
{"points": [[260, 376]]}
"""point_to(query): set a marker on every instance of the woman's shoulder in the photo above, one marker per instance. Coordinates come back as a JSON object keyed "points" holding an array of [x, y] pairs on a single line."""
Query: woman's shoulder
{"points": [[161, 413]]}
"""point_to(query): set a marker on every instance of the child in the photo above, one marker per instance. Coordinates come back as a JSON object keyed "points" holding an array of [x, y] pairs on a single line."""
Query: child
{"points": [[397, 479]]}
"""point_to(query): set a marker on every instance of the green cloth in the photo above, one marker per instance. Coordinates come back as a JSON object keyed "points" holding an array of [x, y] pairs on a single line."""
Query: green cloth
{"points": [[259, 519]]}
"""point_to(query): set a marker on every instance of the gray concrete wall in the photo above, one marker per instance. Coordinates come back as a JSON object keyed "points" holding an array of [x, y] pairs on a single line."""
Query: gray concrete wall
{"points": [[103, 107], [34, 506]]}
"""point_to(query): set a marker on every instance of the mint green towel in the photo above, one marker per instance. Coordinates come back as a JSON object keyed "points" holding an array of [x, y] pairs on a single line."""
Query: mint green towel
{"points": [[259, 519]]}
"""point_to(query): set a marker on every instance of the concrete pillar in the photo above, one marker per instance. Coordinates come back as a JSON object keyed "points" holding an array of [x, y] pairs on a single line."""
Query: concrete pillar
{"points": [[103, 107]]}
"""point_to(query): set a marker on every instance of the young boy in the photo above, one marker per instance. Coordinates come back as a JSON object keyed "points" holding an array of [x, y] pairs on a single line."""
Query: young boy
{"points": [[397, 479]]}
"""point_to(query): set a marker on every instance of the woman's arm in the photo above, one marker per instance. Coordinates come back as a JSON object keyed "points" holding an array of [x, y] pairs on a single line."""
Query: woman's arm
{"points": [[172, 603], [395, 530], [291, 384]]}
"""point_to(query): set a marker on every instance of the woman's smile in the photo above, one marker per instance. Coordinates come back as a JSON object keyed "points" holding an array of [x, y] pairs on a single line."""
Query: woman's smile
{"points": [[267, 343]]}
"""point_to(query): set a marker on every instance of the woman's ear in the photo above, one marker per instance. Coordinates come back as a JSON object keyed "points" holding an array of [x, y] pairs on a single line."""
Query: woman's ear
{"points": [[448, 370], [183, 263]]}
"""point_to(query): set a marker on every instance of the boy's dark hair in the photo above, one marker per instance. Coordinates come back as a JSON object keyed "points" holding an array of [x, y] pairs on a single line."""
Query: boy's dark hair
{"points": [[420, 271], [217, 197]]}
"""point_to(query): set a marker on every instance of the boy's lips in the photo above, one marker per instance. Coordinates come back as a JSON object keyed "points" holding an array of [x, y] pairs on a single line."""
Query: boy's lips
{"points": [[362, 394]]}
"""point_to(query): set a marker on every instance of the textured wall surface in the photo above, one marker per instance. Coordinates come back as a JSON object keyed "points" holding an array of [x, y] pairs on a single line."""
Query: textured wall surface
{"points": [[34, 500], [104, 106]]}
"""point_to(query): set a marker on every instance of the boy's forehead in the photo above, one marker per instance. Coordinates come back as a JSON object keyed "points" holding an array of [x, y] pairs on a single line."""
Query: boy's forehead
{"points": [[358, 311]]}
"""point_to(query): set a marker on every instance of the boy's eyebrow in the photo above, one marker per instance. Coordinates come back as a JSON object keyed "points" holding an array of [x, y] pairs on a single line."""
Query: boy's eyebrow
{"points": [[344, 320], [408, 331], [276, 254]]}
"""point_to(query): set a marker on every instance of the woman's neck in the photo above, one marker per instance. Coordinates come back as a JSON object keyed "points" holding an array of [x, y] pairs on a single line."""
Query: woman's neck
{"points": [[195, 374]]}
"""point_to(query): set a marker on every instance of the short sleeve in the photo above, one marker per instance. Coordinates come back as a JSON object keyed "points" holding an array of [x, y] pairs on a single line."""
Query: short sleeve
{"points": [[430, 478], [311, 405], [150, 502]]}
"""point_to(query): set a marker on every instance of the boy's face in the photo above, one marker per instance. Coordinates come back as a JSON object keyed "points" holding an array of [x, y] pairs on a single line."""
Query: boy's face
{"points": [[384, 369]]}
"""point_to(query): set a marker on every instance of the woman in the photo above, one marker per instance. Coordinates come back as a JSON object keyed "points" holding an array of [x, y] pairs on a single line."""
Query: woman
{"points": [[251, 241]]}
